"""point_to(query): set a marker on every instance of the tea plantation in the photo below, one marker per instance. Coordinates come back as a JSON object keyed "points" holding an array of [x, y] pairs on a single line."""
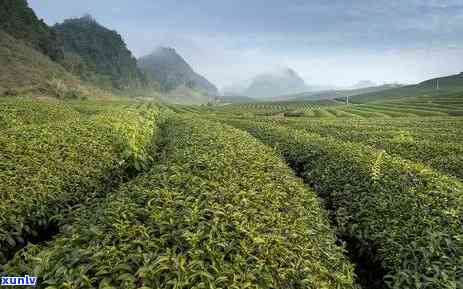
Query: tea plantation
{"points": [[138, 194]]}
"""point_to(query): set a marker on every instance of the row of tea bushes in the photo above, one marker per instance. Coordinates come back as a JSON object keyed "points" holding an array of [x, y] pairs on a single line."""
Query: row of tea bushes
{"points": [[47, 168], [218, 210], [133, 129], [434, 148], [444, 129], [25, 111], [401, 213]]}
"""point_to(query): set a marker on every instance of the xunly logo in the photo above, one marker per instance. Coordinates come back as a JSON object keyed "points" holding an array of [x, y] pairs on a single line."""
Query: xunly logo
{"points": [[18, 281]]}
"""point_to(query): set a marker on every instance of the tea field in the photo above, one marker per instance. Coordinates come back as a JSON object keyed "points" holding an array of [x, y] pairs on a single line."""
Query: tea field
{"points": [[322, 194], [416, 106]]}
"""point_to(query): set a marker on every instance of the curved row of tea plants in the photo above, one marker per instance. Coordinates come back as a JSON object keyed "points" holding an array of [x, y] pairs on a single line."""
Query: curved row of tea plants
{"points": [[422, 106], [33, 111], [401, 109], [47, 168], [439, 147], [404, 214], [394, 111], [218, 210], [293, 108], [447, 129]]}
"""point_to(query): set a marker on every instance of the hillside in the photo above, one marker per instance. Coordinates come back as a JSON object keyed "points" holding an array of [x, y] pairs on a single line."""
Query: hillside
{"points": [[332, 94], [447, 84], [98, 54], [172, 72], [237, 99], [20, 21], [24, 70], [276, 83], [364, 84]]}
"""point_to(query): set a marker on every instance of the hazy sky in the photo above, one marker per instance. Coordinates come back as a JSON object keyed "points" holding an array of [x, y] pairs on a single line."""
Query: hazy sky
{"points": [[335, 42]]}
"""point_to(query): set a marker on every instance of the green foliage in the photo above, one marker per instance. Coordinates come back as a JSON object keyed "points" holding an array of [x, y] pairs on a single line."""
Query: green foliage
{"points": [[219, 210], [401, 213], [50, 163], [20, 21], [98, 54], [283, 108], [294, 114], [447, 85], [435, 142], [449, 104], [24, 112], [134, 132]]}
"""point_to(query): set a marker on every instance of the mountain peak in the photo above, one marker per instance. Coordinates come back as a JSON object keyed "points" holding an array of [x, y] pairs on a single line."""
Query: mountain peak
{"points": [[103, 51], [165, 50], [87, 19], [364, 84], [277, 82], [288, 71], [168, 67]]}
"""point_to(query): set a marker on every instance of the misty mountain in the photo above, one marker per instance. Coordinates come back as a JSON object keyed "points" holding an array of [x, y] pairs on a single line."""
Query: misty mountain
{"points": [[364, 84], [279, 82], [339, 94], [98, 54], [171, 71], [235, 89]]}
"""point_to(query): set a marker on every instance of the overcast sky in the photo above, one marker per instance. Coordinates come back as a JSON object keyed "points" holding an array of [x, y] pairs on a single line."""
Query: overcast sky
{"points": [[335, 42]]}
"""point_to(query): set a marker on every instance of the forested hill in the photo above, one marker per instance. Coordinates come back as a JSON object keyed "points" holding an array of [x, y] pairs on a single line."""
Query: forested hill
{"points": [[20, 21], [98, 54], [168, 68]]}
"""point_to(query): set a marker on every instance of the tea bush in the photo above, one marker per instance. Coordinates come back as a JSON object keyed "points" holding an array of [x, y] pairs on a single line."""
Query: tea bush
{"points": [[217, 210], [32, 111], [401, 213], [134, 129], [439, 146], [46, 168]]}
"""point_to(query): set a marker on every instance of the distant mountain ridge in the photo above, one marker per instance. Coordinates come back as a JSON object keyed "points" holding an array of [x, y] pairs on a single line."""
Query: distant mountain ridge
{"points": [[171, 71], [271, 84], [432, 87], [335, 93], [364, 84]]}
